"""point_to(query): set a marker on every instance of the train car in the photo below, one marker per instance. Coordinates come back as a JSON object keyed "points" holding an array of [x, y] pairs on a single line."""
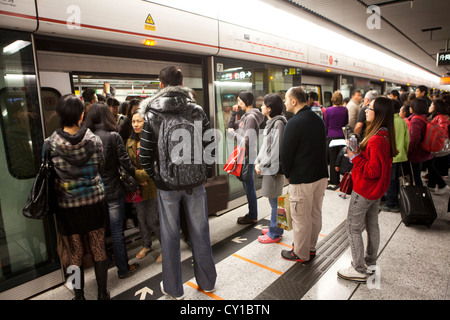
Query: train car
{"points": [[53, 48]]}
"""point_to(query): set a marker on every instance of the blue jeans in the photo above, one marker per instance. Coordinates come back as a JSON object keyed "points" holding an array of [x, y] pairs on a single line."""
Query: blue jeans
{"points": [[195, 207], [274, 231], [116, 210], [249, 187]]}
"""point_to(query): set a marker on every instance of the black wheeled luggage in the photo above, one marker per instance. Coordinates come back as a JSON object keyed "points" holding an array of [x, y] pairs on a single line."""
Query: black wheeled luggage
{"points": [[416, 204]]}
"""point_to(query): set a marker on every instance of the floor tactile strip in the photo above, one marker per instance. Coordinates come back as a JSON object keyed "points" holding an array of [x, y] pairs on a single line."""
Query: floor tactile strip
{"points": [[297, 281]]}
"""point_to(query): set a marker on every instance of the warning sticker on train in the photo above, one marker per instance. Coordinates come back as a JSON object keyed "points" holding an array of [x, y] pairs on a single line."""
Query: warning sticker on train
{"points": [[149, 23]]}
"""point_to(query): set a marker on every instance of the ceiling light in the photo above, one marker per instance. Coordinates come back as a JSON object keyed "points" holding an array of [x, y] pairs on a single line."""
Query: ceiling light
{"points": [[15, 46]]}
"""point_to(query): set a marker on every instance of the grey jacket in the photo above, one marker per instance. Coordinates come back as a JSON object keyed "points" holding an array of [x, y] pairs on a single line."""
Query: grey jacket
{"points": [[268, 160]]}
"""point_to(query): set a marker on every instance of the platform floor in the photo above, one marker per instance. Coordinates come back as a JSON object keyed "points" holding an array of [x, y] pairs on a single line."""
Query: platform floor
{"points": [[413, 262]]}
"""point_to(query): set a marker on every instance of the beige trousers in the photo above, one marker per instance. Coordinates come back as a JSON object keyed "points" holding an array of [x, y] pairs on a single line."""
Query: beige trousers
{"points": [[306, 211]]}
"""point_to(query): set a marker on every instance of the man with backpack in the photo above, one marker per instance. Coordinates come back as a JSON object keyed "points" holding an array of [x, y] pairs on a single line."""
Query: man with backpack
{"points": [[172, 153]]}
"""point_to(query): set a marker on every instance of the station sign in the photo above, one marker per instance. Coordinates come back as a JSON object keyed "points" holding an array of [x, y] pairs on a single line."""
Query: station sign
{"points": [[443, 58], [444, 80], [242, 75]]}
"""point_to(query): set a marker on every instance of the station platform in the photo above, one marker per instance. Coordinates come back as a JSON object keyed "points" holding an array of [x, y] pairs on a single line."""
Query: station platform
{"points": [[413, 262]]}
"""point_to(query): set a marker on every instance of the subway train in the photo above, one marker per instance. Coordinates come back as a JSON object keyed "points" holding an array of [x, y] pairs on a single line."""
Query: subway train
{"points": [[51, 48]]}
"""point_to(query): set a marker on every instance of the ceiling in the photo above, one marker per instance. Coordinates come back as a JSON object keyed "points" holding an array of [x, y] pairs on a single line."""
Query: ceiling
{"points": [[400, 27]]}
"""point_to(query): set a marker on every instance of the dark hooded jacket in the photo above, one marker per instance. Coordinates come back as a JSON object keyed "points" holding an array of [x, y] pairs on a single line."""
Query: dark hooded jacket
{"points": [[115, 155], [174, 100]]}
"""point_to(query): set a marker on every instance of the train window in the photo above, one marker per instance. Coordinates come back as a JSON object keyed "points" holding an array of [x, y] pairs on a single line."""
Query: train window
{"points": [[232, 76], [20, 116]]}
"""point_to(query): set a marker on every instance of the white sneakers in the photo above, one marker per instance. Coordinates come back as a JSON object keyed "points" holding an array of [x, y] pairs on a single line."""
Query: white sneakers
{"points": [[161, 286], [351, 274]]}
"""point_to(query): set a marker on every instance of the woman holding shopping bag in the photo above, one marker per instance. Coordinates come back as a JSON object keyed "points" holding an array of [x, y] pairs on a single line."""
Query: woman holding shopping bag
{"points": [[268, 163], [371, 175]]}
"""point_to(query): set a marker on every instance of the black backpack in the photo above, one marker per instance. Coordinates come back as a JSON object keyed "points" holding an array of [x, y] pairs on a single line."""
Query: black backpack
{"points": [[180, 150]]}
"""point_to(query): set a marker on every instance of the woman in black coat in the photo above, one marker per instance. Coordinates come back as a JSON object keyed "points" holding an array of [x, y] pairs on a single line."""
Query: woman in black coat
{"points": [[101, 121]]}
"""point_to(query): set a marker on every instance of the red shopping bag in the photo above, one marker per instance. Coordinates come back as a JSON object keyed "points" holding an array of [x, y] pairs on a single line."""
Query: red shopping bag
{"points": [[235, 160]]}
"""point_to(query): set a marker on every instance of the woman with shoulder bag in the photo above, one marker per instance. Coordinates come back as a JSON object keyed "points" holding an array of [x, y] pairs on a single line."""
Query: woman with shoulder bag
{"points": [[101, 121], [268, 163], [78, 160], [371, 175], [147, 208]]}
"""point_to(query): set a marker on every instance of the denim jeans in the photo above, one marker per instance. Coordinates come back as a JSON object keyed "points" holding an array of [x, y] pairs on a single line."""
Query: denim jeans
{"points": [[391, 194], [116, 210], [363, 215], [195, 207], [148, 218], [274, 231], [249, 187]]}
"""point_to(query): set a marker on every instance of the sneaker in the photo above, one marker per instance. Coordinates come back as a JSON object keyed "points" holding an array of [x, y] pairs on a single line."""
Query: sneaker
{"points": [[390, 209], [266, 239], [161, 286], [351, 274], [291, 256], [332, 187], [442, 190], [246, 220]]}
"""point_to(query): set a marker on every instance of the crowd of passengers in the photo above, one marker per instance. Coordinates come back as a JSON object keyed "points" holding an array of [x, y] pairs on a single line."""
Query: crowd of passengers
{"points": [[99, 135]]}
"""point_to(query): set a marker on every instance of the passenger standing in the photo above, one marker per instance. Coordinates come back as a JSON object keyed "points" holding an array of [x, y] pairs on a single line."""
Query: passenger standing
{"points": [[78, 159], [114, 106], [416, 154], [268, 163], [247, 129], [353, 108], [304, 163], [402, 145], [371, 176], [175, 102], [147, 209], [422, 93], [126, 127], [439, 115], [101, 121], [336, 117], [360, 127]]}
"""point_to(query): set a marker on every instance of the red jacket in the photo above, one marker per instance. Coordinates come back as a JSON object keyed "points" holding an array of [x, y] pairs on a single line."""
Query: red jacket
{"points": [[417, 130], [371, 171]]}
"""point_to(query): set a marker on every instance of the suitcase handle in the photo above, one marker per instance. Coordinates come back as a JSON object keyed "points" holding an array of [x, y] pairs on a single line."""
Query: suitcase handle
{"points": [[412, 175]]}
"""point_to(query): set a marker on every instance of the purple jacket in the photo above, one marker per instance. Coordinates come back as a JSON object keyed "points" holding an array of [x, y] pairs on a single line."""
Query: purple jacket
{"points": [[335, 119]]}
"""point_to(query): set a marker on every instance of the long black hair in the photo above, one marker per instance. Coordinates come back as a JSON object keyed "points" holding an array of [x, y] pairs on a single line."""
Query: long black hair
{"points": [[99, 113]]}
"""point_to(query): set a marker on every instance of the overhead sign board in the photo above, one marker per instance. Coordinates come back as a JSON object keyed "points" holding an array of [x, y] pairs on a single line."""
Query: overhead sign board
{"points": [[443, 58]]}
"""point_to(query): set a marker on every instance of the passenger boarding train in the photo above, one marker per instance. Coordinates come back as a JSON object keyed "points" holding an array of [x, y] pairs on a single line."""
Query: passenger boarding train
{"points": [[51, 48]]}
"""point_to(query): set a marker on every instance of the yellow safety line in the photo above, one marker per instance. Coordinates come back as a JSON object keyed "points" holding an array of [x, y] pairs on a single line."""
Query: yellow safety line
{"points": [[258, 264]]}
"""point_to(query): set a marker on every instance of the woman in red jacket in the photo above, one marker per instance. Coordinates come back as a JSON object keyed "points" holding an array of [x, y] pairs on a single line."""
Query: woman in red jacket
{"points": [[439, 115], [371, 175]]}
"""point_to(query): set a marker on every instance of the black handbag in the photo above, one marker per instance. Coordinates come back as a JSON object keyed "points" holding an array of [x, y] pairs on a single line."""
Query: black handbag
{"points": [[42, 200], [129, 183]]}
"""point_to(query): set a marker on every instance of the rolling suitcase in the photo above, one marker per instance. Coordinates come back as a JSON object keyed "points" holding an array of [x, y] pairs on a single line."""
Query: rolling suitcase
{"points": [[416, 204]]}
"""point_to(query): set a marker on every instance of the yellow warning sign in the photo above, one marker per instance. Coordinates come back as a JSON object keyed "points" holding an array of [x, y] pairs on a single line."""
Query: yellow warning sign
{"points": [[150, 19], [149, 23]]}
